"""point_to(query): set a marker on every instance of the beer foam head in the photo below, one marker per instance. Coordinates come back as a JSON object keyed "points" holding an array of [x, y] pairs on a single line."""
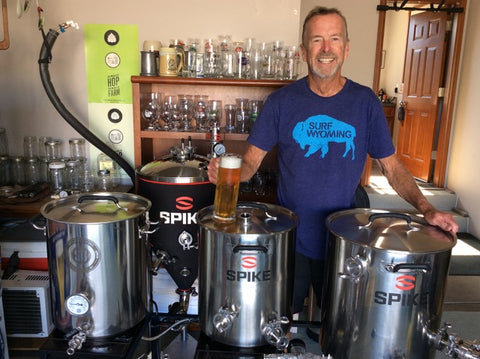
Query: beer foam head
{"points": [[230, 161]]}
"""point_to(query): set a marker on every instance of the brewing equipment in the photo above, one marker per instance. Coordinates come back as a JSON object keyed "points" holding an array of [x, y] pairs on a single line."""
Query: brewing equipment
{"points": [[246, 275], [98, 263], [178, 187], [385, 285]]}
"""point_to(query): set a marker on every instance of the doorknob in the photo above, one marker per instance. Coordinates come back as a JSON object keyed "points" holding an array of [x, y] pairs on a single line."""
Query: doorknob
{"points": [[401, 111]]}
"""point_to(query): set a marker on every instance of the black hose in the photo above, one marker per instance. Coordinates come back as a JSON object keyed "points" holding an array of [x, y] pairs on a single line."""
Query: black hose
{"points": [[43, 61]]}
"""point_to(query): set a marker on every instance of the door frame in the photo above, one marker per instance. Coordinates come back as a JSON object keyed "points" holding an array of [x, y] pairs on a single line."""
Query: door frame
{"points": [[451, 81]]}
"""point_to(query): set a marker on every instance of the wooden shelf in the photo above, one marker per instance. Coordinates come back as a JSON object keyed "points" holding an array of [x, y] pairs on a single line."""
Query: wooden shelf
{"points": [[151, 80], [150, 145], [174, 135]]}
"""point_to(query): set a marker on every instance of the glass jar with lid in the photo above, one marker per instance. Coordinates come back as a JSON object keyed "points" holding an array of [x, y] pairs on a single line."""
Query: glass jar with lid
{"points": [[56, 171], [73, 175], [104, 180], [53, 149]]}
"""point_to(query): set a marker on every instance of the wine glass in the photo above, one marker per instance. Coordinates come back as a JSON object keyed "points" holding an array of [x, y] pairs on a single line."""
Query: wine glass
{"points": [[185, 108], [214, 112], [150, 109], [200, 113], [169, 113]]}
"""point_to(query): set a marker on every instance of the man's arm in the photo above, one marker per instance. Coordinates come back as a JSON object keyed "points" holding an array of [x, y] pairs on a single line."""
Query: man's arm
{"points": [[403, 183], [251, 161]]}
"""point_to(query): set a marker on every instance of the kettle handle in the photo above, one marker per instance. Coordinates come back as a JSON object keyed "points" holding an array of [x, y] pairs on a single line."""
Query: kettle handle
{"points": [[91, 197], [262, 206], [404, 216], [242, 247], [33, 222], [375, 216], [405, 266]]}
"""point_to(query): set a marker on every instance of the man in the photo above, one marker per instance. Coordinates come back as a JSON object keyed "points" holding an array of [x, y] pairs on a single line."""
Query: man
{"points": [[324, 125]]}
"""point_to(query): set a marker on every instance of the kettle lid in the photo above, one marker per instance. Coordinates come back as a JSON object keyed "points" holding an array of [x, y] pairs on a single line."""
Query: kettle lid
{"points": [[388, 230], [251, 218]]}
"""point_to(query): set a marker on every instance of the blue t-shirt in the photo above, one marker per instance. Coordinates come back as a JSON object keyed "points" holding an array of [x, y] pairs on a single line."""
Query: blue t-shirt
{"points": [[322, 144]]}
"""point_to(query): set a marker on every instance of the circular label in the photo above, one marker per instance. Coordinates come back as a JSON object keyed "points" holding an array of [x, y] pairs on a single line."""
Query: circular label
{"points": [[115, 115], [112, 60], [115, 136], [83, 255], [111, 37]]}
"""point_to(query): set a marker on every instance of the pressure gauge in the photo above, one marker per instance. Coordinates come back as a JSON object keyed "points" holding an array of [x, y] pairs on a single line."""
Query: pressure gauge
{"points": [[77, 304], [219, 149]]}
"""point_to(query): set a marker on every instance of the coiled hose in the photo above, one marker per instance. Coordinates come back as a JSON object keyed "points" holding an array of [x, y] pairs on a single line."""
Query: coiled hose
{"points": [[43, 62]]}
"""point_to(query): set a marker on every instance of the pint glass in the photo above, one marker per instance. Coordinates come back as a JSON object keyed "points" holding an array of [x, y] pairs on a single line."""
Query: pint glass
{"points": [[228, 183]]}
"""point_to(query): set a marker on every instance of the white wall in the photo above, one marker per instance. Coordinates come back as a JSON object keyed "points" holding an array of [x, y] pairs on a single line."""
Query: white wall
{"points": [[24, 106], [395, 40], [394, 44], [464, 162]]}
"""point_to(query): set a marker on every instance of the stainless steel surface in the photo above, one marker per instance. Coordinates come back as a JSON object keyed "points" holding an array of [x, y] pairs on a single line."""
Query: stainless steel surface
{"points": [[386, 277], [246, 275], [181, 166], [98, 261]]}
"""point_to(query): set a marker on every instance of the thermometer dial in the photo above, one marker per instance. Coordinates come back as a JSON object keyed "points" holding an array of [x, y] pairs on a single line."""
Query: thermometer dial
{"points": [[219, 149], [77, 304]]}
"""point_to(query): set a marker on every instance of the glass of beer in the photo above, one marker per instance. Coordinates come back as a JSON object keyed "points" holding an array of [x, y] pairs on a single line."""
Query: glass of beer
{"points": [[228, 183]]}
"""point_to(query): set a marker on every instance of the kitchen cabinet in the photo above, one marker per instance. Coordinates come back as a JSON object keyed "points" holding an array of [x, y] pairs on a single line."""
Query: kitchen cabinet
{"points": [[150, 145]]}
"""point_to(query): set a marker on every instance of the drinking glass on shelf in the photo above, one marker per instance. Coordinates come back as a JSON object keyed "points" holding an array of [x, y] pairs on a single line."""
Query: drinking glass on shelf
{"points": [[256, 63], [292, 59], [185, 109], [170, 114], [200, 113], [149, 109], [226, 57], [214, 112], [211, 62], [191, 58], [254, 106], [242, 116], [230, 114]]}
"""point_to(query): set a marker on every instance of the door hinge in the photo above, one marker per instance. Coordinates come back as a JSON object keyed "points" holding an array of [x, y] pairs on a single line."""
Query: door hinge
{"points": [[449, 25], [433, 155], [441, 92]]}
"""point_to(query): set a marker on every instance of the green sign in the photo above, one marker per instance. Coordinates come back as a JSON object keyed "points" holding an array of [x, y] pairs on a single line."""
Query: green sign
{"points": [[112, 57]]}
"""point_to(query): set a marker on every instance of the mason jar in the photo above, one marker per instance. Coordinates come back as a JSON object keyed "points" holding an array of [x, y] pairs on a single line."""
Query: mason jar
{"points": [[32, 171], [56, 171], [5, 171], [73, 175], [18, 171]]}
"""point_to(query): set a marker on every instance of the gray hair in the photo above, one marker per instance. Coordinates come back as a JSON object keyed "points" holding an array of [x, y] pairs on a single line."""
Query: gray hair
{"points": [[321, 10]]}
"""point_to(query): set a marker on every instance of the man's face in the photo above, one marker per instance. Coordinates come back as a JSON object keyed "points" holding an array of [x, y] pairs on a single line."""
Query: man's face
{"points": [[325, 46]]}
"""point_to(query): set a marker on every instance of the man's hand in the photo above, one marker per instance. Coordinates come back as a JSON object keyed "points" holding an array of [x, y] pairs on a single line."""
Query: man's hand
{"points": [[212, 169], [442, 220]]}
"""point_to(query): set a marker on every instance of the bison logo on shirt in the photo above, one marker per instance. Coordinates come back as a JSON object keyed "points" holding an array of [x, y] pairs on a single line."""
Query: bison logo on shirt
{"points": [[318, 131]]}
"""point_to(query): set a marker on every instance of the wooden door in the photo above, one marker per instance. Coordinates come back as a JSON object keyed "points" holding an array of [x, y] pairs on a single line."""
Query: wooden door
{"points": [[423, 74]]}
